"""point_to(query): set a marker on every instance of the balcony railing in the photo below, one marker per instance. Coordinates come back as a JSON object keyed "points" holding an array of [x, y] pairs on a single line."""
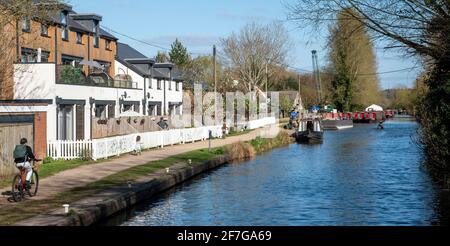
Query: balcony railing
{"points": [[69, 75]]}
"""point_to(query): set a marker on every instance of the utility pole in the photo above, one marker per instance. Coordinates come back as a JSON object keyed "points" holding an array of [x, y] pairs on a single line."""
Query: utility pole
{"points": [[317, 75], [300, 100], [267, 76], [215, 83], [215, 68]]}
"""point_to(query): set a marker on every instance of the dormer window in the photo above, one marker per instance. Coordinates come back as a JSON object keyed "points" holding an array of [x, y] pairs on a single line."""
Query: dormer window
{"points": [[158, 84], [25, 24], [96, 36], [44, 30], [64, 30], [65, 34], [79, 38], [96, 41], [63, 18]]}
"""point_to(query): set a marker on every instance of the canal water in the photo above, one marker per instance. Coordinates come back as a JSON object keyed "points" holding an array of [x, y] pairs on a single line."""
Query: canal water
{"points": [[360, 176]]}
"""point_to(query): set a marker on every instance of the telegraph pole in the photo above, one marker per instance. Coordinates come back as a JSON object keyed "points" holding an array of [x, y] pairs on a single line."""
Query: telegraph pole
{"points": [[215, 83], [215, 68], [317, 75], [267, 77]]}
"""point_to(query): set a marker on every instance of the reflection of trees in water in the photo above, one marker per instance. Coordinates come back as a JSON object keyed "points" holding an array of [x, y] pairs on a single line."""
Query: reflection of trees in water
{"points": [[443, 208], [441, 183]]}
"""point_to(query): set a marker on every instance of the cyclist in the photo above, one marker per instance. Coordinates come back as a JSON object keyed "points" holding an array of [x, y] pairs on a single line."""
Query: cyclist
{"points": [[23, 154]]}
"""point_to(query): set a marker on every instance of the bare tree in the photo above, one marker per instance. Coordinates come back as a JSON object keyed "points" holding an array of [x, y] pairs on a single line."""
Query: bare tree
{"points": [[410, 24], [253, 50]]}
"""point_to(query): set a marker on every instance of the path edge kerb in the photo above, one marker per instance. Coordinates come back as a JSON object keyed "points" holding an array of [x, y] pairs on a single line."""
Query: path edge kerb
{"points": [[121, 199]]}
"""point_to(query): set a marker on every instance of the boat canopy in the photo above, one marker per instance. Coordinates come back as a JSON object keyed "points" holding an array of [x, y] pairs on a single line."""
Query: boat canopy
{"points": [[374, 108]]}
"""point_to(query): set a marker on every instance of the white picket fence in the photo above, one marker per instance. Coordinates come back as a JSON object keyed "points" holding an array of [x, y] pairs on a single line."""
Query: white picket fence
{"points": [[116, 146]]}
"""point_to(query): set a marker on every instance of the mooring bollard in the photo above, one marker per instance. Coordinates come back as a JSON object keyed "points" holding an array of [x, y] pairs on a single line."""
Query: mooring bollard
{"points": [[66, 208], [129, 184]]}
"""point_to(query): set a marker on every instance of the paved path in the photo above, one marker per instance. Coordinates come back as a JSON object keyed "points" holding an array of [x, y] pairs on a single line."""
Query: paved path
{"points": [[84, 175]]}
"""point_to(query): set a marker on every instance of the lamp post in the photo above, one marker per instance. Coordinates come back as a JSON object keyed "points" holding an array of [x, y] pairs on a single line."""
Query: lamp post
{"points": [[267, 76]]}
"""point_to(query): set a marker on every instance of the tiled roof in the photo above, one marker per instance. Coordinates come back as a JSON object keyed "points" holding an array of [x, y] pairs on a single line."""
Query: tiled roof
{"points": [[124, 51]]}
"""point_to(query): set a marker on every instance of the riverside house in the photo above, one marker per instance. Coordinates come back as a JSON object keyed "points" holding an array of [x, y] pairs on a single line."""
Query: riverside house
{"points": [[73, 81]]}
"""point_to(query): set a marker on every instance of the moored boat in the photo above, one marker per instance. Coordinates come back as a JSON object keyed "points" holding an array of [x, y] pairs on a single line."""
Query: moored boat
{"points": [[337, 124], [309, 131]]}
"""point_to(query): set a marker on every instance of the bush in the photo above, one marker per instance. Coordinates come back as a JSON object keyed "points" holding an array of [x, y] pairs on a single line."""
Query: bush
{"points": [[262, 145], [72, 75], [86, 155], [433, 112], [48, 160], [240, 151]]}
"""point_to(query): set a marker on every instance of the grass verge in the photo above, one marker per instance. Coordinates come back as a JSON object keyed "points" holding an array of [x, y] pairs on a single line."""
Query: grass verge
{"points": [[262, 145], [50, 169]]}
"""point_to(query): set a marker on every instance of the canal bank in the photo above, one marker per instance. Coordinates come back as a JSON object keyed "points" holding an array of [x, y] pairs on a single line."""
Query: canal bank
{"points": [[106, 197]]}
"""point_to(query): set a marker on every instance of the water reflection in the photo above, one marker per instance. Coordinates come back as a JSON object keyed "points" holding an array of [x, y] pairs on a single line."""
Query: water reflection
{"points": [[360, 176]]}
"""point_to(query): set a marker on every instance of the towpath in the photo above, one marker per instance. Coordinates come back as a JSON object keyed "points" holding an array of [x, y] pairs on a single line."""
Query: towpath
{"points": [[84, 175]]}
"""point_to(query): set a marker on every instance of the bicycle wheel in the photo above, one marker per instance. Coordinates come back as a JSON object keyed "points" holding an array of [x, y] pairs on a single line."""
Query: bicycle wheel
{"points": [[17, 189], [34, 184]]}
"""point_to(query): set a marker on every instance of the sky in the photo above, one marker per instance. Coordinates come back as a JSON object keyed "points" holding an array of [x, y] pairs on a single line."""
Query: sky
{"points": [[200, 24]]}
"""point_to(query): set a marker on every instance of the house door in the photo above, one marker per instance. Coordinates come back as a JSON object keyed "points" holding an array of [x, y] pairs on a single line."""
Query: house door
{"points": [[80, 122], [65, 122], [151, 110]]}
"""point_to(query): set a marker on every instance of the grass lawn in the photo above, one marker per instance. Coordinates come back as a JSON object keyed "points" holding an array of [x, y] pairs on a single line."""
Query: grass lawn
{"points": [[13, 214]]}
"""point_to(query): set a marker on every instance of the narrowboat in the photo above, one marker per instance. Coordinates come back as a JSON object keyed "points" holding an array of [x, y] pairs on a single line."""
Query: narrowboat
{"points": [[309, 131]]}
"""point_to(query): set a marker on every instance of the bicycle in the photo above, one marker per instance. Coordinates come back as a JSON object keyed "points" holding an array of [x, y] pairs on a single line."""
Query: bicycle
{"points": [[19, 189]]}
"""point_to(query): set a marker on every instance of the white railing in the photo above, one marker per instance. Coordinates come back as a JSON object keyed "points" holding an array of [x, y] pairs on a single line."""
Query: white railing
{"points": [[69, 149], [115, 146]]}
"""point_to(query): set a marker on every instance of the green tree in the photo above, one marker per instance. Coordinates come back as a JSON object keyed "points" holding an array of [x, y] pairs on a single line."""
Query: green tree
{"points": [[353, 62], [161, 57], [178, 54]]}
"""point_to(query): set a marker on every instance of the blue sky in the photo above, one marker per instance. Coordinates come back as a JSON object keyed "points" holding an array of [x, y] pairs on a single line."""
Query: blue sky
{"points": [[200, 24]]}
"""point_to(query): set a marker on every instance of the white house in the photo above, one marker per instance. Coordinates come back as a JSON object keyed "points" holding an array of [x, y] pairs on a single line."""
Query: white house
{"points": [[162, 86]]}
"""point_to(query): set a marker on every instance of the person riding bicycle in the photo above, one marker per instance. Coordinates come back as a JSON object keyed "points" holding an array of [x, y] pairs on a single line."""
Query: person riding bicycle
{"points": [[23, 154]]}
